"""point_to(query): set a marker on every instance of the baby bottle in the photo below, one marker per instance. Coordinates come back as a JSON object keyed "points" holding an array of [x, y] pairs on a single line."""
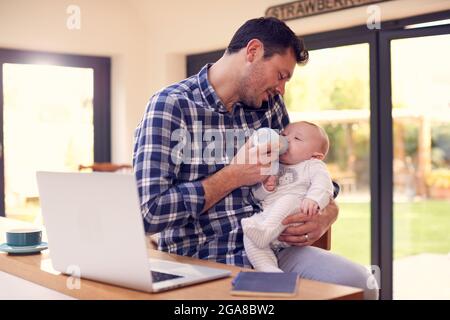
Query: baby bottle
{"points": [[263, 136]]}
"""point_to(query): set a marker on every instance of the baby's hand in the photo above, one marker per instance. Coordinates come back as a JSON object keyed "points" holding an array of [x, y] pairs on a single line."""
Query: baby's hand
{"points": [[270, 183], [310, 207]]}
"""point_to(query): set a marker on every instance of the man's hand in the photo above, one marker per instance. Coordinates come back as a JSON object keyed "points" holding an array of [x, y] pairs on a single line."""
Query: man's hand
{"points": [[309, 228], [271, 183], [252, 164]]}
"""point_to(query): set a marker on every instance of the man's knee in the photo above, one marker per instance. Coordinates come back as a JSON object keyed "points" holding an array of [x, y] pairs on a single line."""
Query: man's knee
{"points": [[318, 264], [360, 277]]}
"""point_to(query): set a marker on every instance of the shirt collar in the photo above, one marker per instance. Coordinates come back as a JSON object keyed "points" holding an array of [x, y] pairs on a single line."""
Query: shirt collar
{"points": [[208, 93]]}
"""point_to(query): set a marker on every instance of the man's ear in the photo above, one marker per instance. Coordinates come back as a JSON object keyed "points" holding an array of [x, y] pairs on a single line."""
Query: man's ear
{"points": [[254, 49], [318, 155]]}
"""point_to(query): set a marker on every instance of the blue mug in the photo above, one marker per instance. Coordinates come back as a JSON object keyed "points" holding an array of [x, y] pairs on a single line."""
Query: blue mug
{"points": [[23, 237]]}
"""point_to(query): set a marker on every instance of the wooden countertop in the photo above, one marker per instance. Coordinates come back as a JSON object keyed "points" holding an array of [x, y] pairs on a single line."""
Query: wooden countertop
{"points": [[37, 268]]}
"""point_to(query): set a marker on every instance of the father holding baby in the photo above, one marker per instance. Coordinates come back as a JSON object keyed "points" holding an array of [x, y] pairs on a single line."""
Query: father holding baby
{"points": [[197, 205]]}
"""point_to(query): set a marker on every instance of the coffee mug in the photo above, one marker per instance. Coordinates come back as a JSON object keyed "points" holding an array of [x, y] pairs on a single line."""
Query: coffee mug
{"points": [[23, 237]]}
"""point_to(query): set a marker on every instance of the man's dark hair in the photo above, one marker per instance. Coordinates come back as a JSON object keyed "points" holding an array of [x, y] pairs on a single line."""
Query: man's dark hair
{"points": [[275, 35]]}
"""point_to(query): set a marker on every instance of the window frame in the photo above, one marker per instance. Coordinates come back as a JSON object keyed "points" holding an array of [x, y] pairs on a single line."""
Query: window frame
{"points": [[101, 99]]}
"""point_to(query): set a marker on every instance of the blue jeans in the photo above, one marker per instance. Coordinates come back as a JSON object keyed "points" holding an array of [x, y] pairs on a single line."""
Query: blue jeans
{"points": [[321, 265]]}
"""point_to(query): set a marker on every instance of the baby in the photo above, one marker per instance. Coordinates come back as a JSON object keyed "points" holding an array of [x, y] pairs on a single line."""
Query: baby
{"points": [[303, 180]]}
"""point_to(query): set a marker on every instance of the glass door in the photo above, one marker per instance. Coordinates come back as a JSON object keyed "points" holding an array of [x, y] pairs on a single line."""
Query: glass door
{"points": [[333, 91], [420, 76]]}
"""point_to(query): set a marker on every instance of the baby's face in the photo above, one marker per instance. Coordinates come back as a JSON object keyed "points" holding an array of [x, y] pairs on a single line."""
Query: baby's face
{"points": [[305, 142]]}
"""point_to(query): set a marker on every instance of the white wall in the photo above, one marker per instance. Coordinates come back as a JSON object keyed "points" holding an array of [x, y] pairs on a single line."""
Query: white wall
{"points": [[148, 40], [182, 27]]}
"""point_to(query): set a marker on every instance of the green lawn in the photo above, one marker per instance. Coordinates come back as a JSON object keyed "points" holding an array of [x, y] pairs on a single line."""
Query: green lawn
{"points": [[418, 227]]}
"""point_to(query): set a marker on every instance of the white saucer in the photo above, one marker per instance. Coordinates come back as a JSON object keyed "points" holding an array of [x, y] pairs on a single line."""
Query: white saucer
{"points": [[28, 249]]}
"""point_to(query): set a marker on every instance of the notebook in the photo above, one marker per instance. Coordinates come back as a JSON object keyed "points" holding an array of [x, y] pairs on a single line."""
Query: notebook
{"points": [[267, 284]]}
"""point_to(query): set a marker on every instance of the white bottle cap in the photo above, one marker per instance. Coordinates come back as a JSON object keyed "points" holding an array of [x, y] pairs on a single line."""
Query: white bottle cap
{"points": [[266, 135]]}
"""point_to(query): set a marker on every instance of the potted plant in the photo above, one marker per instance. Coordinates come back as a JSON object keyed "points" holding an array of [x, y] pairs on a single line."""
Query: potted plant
{"points": [[438, 183]]}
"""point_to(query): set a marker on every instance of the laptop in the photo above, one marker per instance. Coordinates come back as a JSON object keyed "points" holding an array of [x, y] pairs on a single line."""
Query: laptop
{"points": [[94, 225]]}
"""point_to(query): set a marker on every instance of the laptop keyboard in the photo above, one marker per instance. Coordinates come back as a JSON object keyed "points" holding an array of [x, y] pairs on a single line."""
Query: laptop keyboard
{"points": [[161, 276]]}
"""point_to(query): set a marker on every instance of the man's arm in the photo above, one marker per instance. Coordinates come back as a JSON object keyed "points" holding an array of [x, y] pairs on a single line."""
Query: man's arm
{"points": [[314, 226], [245, 170], [234, 176], [218, 186], [163, 202], [156, 164]]}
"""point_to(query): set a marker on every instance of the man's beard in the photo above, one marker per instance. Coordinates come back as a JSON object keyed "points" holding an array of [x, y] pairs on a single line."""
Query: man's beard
{"points": [[247, 94]]}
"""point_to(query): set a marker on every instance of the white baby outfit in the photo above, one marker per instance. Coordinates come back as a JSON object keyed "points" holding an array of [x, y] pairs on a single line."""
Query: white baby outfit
{"points": [[308, 179]]}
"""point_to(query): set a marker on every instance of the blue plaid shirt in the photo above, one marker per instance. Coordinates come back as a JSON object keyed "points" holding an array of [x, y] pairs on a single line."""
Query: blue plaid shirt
{"points": [[171, 193]]}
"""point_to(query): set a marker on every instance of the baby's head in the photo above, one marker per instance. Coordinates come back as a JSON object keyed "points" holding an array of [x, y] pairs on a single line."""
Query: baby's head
{"points": [[306, 141]]}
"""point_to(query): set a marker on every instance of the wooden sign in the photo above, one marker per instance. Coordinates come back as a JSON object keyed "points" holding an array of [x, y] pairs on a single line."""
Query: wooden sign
{"points": [[305, 8]]}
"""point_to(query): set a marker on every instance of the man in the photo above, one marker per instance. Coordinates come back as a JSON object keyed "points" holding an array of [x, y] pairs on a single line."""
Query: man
{"points": [[197, 204]]}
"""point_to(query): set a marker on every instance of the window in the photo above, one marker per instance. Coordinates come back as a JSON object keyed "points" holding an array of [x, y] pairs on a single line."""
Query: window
{"points": [[55, 112]]}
